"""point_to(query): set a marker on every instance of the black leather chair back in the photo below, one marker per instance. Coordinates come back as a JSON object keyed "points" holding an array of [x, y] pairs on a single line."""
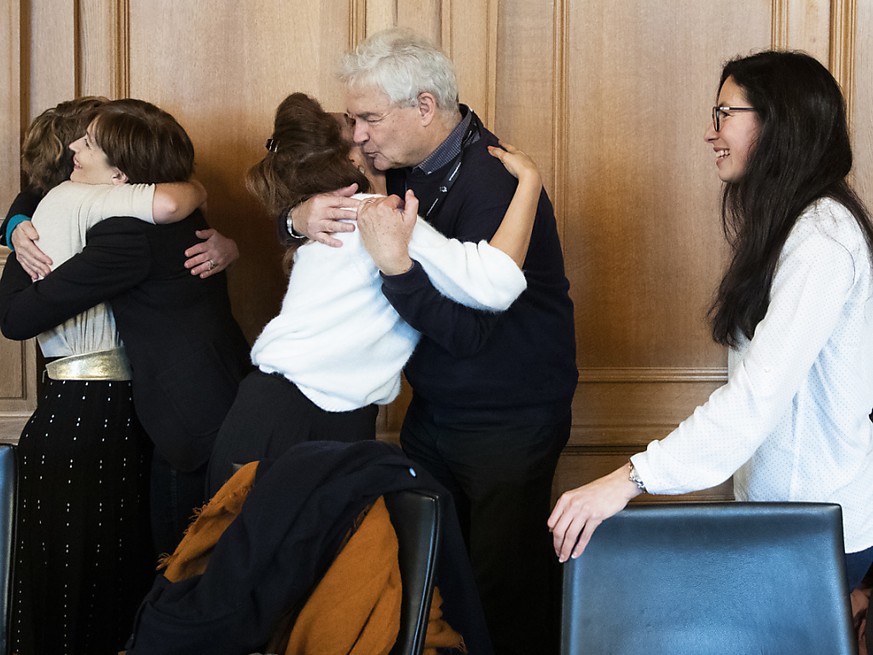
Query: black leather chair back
{"points": [[7, 528], [711, 578], [416, 517]]}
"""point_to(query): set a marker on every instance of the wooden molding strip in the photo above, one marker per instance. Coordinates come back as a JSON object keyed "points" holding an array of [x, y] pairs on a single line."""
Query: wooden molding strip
{"points": [[614, 448], [779, 24], [492, 16], [446, 24], [122, 49], [357, 22], [631, 374], [560, 110], [13, 97], [842, 48]]}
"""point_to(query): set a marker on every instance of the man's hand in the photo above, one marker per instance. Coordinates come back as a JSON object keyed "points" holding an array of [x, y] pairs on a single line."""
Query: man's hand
{"points": [[386, 226], [213, 255], [322, 215], [33, 260]]}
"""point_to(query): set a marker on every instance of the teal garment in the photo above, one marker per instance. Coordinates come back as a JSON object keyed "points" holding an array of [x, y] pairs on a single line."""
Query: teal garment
{"points": [[11, 224], [22, 208]]}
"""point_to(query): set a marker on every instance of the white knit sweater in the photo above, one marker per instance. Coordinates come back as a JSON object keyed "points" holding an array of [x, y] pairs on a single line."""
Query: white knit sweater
{"points": [[791, 422], [63, 219], [337, 337]]}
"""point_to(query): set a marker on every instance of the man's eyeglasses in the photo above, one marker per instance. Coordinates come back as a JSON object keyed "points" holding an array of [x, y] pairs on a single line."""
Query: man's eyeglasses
{"points": [[719, 111]]}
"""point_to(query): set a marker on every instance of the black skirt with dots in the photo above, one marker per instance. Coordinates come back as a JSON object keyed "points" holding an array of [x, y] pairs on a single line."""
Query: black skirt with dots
{"points": [[83, 555]]}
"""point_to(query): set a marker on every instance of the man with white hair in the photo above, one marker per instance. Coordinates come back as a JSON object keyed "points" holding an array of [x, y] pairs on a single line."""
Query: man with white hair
{"points": [[492, 393]]}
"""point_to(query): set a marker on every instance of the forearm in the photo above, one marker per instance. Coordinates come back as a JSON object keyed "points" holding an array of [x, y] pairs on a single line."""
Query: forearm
{"points": [[476, 214], [460, 330], [16, 320], [474, 274], [112, 262], [22, 208], [323, 215], [808, 302], [513, 235], [174, 201], [8, 229]]}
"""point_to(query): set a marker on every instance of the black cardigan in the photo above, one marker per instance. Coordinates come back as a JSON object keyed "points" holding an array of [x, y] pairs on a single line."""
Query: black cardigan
{"points": [[291, 527], [515, 367], [187, 351]]}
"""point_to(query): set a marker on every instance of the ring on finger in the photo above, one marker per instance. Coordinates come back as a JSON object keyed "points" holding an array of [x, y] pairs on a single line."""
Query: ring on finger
{"points": [[211, 264]]}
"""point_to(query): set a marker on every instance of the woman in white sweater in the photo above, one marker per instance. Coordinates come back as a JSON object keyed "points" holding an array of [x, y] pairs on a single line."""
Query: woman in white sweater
{"points": [[337, 347], [796, 309]]}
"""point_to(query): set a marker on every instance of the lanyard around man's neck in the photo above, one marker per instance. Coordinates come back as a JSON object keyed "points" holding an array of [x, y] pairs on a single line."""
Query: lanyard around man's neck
{"points": [[470, 136]]}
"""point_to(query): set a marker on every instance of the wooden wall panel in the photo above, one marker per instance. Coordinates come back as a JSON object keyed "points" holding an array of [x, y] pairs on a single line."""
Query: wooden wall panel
{"points": [[17, 360], [102, 48], [802, 25], [861, 93], [469, 37], [372, 16], [646, 243], [611, 99], [49, 53], [424, 16], [525, 81], [221, 69], [10, 99], [643, 241]]}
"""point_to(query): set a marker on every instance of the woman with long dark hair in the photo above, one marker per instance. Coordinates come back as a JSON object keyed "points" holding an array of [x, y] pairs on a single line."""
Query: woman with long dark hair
{"points": [[795, 307]]}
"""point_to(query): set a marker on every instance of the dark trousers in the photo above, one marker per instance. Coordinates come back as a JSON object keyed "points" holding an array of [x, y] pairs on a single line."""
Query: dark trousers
{"points": [[501, 479], [269, 415], [857, 565], [174, 496]]}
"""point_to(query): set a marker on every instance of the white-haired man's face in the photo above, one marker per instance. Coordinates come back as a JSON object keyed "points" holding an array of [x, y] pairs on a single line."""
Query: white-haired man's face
{"points": [[389, 135]]}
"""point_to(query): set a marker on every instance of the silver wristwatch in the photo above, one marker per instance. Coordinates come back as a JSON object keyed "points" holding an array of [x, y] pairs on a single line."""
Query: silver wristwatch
{"points": [[634, 477], [289, 226]]}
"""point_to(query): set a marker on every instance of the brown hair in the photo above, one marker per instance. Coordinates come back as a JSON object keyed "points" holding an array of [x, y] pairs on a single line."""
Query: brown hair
{"points": [[46, 159], [143, 141], [309, 155]]}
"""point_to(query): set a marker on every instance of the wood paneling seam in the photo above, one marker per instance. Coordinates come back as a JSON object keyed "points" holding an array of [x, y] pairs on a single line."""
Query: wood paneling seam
{"points": [[78, 57], [446, 28], [842, 48], [779, 24], [651, 374], [559, 113], [357, 22], [492, 13], [122, 49]]}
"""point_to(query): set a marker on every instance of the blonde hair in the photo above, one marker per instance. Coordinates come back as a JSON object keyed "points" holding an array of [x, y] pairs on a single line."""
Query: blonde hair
{"points": [[46, 159]]}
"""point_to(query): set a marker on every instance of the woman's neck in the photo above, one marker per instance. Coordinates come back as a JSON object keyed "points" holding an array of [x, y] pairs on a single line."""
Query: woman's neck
{"points": [[377, 182]]}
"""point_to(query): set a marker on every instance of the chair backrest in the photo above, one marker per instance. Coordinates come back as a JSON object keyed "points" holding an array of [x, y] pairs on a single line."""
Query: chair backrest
{"points": [[416, 517], [711, 578], [7, 528]]}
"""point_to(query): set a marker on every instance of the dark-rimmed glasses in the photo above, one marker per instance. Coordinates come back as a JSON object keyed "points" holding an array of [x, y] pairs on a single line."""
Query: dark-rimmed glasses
{"points": [[721, 110]]}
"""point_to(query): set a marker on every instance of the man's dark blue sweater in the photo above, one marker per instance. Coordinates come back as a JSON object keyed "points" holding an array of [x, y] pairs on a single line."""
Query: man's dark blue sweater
{"points": [[516, 367]]}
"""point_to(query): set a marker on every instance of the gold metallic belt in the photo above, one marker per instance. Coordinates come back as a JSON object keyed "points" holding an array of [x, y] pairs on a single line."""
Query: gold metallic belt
{"points": [[101, 365]]}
